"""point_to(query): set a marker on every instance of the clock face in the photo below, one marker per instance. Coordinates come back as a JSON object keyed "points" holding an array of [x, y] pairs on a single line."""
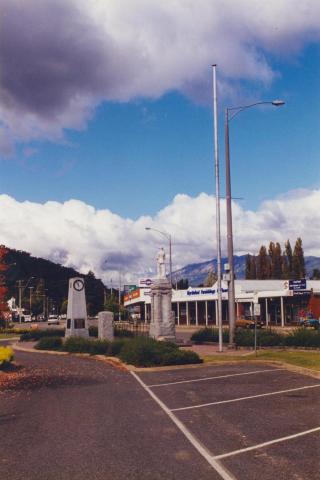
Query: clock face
{"points": [[78, 285]]}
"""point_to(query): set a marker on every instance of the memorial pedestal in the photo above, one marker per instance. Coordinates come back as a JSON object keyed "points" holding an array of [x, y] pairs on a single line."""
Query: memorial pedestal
{"points": [[162, 326], [105, 326]]}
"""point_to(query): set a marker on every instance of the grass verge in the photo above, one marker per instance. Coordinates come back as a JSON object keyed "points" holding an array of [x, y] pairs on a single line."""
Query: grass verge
{"points": [[299, 358]]}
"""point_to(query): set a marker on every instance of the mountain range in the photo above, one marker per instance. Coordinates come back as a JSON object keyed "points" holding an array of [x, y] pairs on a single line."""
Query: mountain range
{"points": [[196, 273]]}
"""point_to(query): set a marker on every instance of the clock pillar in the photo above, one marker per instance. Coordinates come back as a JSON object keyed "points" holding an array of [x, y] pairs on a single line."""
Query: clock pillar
{"points": [[77, 320]]}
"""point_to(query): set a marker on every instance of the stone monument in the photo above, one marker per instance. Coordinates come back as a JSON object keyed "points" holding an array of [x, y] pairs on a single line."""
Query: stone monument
{"points": [[105, 326], [162, 326], [77, 320]]}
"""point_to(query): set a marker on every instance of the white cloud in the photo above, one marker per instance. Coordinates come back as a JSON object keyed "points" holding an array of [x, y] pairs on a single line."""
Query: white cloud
{"points": [[78, 235], [60, 58]]}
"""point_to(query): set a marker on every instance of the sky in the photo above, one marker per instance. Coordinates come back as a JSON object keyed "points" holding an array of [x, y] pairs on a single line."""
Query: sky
{"points": [[106, 128]]}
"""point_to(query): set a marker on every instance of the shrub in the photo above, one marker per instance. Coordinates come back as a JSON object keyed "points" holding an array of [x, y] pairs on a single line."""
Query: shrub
{"points": [[37, 334], [301, 337], [123, 333], [146, 352], [6, 356], [49, 343], [209, 335], [265, 338], [116, 346], [85, 345]]}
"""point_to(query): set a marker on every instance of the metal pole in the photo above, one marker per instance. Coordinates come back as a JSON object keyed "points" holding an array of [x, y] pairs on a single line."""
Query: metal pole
{"points": [[120, 296], [20, 299], [170, 258], [217, 178], [30, 299], [231, 295]]}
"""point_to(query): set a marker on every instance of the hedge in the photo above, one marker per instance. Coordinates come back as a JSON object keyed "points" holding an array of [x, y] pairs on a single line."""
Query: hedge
{"points": [[146, 352], [300, 337], [49, 343], [37, 334]]}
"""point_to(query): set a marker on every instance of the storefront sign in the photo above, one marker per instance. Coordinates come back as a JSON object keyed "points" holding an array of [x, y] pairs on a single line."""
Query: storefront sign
{"points": [[298, 285], [132, 295], [204, 291]]}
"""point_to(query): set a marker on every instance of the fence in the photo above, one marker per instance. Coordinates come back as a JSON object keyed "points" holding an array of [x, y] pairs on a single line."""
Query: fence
{"points": [[136, 328]]}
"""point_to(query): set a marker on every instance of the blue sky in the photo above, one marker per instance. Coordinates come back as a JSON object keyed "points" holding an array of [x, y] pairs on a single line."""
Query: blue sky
{"points": [[106, 110], [134, 157]]}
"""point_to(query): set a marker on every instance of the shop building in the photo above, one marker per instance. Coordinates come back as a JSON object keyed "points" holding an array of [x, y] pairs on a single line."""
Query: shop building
{"points": [[281, 302]]}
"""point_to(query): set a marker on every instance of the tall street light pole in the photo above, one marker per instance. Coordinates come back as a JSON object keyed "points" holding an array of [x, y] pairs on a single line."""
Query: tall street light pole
{"points": [[217, 185], [230, 113], [169, 238]]}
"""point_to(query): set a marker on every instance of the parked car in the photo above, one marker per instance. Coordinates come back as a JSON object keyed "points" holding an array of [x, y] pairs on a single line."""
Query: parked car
{"points": [[311, 322], [244, 323], [53, 320]]}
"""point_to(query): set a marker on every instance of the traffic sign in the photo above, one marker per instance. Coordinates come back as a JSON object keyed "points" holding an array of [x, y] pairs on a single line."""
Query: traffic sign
{"points": [[256, 309]]}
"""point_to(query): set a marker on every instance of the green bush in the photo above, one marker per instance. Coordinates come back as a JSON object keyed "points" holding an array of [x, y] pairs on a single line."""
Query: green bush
{"points": [[146, 352], [265, 338], [37, 334], [301, 337], [209, 335], [116, 346], [123, 333], [85, 345], [49, 343]]}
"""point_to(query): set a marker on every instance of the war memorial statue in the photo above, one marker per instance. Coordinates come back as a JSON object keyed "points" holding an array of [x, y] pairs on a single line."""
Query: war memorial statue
{"points": [[162, 326]]}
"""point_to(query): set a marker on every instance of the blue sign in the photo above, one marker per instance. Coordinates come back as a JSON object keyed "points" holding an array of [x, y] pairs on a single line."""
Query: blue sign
{"points": [[298, 285]]}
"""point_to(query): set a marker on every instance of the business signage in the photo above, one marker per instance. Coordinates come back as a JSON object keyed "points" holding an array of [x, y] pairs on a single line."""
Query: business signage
{"points": [[204, 291], [132, 295], [298, 285], [129, 288], [145, 282]]}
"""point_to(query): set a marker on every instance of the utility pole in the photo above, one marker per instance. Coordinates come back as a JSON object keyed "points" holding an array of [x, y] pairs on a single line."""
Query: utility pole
{"points": [[30, 299], [20, 298], [120, 296]]}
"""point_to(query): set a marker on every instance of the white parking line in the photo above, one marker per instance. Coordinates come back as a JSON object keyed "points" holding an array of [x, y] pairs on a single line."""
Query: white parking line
{"points": [[215, 378], [266, 444], [215, 464], [244, 398]]}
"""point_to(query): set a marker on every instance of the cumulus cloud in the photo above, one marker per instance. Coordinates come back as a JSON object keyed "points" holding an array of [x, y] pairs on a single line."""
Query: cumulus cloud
{"points": [[60, 58], [78, 235]]}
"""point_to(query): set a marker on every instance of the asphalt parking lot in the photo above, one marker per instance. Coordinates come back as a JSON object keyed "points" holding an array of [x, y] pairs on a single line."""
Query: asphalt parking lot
{"points": [[249, 422]]}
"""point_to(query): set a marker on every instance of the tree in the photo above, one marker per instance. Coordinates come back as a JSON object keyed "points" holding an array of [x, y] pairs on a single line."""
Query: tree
{"points": [[183, 284], [275, 260], [298, 266], [4, 309], [288, 254], [315, 274], [211, 279], [251, 267], [263, 264]]}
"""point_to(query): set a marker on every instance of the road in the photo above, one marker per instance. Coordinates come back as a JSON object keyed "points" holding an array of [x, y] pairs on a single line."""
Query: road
{"points": [[65, 418]]}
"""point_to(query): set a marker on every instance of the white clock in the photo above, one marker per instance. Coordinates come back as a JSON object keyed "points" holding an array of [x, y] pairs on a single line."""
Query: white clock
{"points": [[78, 285]]}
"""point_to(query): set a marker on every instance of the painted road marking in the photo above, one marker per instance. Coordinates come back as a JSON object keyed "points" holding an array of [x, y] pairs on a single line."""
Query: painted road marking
{"points": [[245, 398], [266, 444], [215, 464], [214, 378]]}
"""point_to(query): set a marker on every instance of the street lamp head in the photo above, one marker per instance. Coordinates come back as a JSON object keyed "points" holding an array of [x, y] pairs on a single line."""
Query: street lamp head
{"points": [[278, 103], [147, 228]]}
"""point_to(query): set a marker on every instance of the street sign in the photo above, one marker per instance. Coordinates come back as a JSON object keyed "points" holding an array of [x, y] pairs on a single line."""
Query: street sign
{"points": [[256, 309], [298, 285]]}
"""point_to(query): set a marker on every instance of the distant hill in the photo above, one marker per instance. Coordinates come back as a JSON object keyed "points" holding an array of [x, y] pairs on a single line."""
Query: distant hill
{"points": [[50, 279], [196, 273]]}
